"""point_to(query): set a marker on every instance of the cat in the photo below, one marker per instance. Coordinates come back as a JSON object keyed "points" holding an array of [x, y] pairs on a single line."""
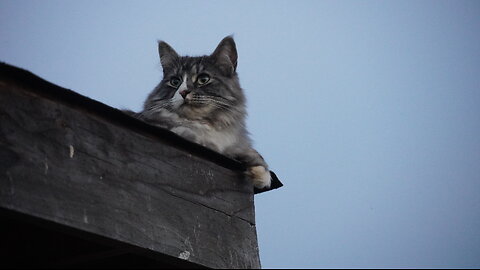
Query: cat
{"points": [[200, 99]]}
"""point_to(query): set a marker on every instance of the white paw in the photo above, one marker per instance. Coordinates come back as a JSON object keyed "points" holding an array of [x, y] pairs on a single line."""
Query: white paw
{"points": [[260, 176]]}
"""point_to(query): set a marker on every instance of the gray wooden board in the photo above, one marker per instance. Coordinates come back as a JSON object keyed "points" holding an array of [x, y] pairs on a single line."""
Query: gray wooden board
{"points": [[71, 167]]}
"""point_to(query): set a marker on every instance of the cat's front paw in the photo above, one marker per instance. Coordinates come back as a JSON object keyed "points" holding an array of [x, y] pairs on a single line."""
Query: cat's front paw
{"points": [[260, 176]]}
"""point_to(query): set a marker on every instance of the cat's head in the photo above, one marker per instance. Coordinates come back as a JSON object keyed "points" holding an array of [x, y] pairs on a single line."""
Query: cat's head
{"points": [[201, 87]]}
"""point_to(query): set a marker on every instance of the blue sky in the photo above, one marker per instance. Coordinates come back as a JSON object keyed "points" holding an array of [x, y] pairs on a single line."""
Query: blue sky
{"points": [[368, 111]]}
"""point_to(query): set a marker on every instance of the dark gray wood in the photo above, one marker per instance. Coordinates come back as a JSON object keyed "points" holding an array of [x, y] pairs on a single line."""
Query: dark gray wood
{"points": [[72, 167]]}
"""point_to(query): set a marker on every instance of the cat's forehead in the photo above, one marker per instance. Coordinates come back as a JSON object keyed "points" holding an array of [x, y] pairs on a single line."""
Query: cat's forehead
{"points": [[192, 65]]}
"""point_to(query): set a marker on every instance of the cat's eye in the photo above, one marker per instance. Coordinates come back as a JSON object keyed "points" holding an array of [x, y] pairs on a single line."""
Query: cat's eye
{"points": [[175, 82], [203, 79]]}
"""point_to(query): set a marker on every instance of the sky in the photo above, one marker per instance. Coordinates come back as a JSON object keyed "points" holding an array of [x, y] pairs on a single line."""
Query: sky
{"points": [[368, 111]]}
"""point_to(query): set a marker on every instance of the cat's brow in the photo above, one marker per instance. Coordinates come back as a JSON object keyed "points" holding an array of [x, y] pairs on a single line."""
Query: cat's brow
{"points": [[196, 68]]}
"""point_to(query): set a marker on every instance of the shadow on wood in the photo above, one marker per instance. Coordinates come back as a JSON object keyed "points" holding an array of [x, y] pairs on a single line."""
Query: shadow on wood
{"points": [[92, 186]]}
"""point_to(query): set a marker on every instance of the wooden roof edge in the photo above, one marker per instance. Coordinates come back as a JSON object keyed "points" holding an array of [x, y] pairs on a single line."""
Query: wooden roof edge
{"points": [[57, 93]]}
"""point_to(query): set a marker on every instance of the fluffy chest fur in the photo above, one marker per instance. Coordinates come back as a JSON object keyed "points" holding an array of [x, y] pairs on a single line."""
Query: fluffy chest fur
{"points": [[217, 138], [206, 135]]}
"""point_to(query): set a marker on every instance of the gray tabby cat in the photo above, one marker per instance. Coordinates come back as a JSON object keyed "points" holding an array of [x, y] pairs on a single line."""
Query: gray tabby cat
{"points": [[200, 99]]}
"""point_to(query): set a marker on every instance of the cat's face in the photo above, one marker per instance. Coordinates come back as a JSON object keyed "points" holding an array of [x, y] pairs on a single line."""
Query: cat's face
{"points": [[198, 87]]}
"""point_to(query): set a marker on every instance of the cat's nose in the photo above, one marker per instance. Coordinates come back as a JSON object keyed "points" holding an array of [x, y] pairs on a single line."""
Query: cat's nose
{"points": [[184, 93]]}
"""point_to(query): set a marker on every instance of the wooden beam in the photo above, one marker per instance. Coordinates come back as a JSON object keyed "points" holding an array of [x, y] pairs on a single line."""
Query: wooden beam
{"points": [[62, 161]]}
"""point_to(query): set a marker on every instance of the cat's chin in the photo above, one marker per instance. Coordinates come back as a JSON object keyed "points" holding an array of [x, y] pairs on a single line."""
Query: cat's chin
{"points": [[193, 111]]}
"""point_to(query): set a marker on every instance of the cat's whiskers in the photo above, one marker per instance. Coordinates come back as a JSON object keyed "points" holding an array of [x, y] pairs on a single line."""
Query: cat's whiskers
{"points": [[214, 103], [158, 106], [213, 99]]}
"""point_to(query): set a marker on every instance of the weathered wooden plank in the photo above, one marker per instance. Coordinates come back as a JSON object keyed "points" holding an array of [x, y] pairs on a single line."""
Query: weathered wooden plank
{"points": [[72, 132], [77, 169]]}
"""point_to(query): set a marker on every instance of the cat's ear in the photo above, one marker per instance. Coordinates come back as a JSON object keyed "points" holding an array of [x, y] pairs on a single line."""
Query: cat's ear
{"points": [[225, 55], [168, 56]]}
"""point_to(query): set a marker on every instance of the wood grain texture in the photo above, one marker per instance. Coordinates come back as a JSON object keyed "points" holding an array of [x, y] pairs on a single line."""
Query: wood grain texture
{"points": [[72, 167]]}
